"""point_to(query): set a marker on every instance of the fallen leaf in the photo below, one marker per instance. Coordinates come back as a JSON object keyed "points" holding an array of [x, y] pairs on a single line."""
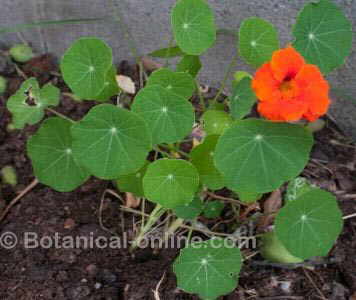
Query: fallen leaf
{"points": [[270, 207], [149, 64], [126, 84], [69, 223], [353, 297], [132, 201]]}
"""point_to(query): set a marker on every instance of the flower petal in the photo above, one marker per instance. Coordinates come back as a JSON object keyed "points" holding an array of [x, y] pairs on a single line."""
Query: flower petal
{"points": [[264, 84], [286, 63]]}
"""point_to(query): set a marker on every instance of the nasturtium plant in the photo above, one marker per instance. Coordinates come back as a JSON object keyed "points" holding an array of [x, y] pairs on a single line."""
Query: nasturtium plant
{"points": [[213, 209], [170, 117], [28, 104], [85, 66], [216, 122], [209, 268], [193, 26], [202, 157], [111, 87], [323, 35], [51, 153], [258, 39], [189, 153], [242, 100], [110, 141], [171, 182], [191, 210], [310, 225], [167, 52], [180, 83], [133, 183], [190, 64], [256, 155]]}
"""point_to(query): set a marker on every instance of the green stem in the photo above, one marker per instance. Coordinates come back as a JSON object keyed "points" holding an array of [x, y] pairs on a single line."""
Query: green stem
{"points": [[173, 228], [176, 149], [60, 115], [201, 98], [152, 219], [226, 77], [170, 44]]}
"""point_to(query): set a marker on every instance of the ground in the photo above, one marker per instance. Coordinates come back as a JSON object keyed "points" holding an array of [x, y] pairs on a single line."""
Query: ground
{"points": [[117, 274]]}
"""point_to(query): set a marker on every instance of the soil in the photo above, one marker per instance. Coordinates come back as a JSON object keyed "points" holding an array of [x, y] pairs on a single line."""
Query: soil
{"points": [[115, 273]]}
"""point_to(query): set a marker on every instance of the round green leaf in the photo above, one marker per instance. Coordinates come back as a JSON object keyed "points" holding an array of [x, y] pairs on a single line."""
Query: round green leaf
{"points": [[213, 209], [249, 197], [179, 83], [216, 122], [169, 117], [323, 35], [243, 99], [85, 65], [30, 113], [209, 268], [259, 156], [111, 141], [309, 226], [202, 159], [258, 39], [171, 182], [110, 86], [193, 26], [190, 64], [51, 153], [132, 183], [189, 211]]}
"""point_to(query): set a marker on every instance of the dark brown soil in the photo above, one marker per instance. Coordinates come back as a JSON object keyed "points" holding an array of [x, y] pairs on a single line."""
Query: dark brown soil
{"points": [[115, 273]]}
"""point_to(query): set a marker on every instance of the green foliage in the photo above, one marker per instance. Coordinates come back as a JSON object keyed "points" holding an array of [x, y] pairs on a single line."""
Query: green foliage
{"points": [[51, 153], [110, 141], [28, 103], [167, 52], [202, 159], [21, 53], [171, 182], [297, 187], [258, 39], [243, 99], [110, 86], [179, 83], [169, 116], [323, 35], [249, 197], [259, 156], [209, 268], [190, 64], [85, 66], [8, 175], [189, 211], [213, 209], [310, 225], [216, 122], [274, 251], [133, 183], [3, 84], [193, 26]]}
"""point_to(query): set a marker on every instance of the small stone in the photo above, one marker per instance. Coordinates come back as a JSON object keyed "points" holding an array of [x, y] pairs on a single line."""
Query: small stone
{"points": [[69, 223], [107, 276], [79, 292], [97, 285], [92, 270]]}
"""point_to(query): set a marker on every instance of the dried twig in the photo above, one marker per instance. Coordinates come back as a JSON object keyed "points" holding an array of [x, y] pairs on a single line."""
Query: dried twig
{"points": [[314, 284], [156, 291], [17, 198]]}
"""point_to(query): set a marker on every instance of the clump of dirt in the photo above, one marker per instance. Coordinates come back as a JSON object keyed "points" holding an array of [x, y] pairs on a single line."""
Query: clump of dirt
{"points": [[94, 273]]}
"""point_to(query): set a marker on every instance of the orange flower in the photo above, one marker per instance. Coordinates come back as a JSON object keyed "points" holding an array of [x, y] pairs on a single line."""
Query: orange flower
{"points": [[289, 89]]}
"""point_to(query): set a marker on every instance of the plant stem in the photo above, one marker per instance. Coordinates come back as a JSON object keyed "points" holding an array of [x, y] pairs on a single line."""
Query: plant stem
{"points": [[226, 77], [173, 228], [201, 98], [172, 147], [170, 44], [152, 219], [60, 115]]}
